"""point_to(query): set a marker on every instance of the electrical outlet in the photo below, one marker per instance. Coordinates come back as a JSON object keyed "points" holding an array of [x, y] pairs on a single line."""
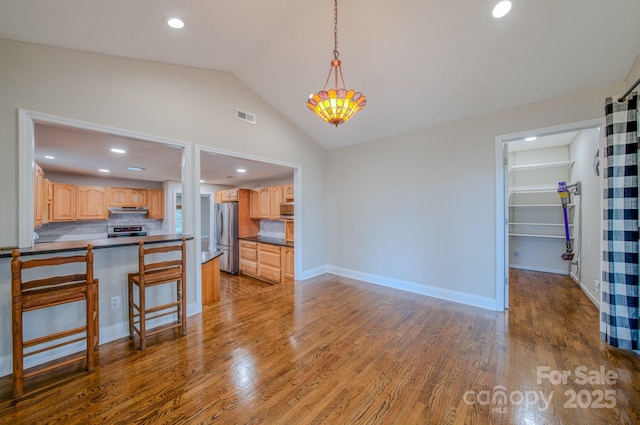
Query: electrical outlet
{"points": [[405, 267], [115, 303], [596, 285], [516, 252]]}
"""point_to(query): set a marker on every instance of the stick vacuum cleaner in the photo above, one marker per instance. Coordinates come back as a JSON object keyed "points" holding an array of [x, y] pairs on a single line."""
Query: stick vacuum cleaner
{"points": [[564, 194]]}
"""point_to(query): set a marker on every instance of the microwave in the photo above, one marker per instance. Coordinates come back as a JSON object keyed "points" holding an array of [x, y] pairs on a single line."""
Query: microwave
{"points": [[286, 209]]}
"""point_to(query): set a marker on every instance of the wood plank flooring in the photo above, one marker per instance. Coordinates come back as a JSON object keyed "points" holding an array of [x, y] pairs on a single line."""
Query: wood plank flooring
{"points": [[333, 350]]}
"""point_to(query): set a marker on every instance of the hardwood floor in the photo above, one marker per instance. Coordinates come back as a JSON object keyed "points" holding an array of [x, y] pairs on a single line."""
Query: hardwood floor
{"points": [[333, 350]]}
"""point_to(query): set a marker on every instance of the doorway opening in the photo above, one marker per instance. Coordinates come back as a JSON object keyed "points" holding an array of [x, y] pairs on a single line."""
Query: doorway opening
{"points": [[531, 230]]}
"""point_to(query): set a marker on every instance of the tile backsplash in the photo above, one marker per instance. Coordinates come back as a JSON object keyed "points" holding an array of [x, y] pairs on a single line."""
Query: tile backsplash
{"points": [[272, 229], [79, 230]]}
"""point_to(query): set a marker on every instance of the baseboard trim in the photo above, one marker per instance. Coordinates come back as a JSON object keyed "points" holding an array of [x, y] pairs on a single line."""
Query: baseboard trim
{"points": [[539, 269], [585, 290], [312, 273], [440, 293]]}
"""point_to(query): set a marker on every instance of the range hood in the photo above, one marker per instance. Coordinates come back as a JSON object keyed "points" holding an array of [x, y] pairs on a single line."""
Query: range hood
{"points": [[128, 210]]}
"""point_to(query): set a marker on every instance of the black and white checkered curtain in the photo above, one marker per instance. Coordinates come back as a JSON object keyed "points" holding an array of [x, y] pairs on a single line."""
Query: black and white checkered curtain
{"points": [[619, 306]]}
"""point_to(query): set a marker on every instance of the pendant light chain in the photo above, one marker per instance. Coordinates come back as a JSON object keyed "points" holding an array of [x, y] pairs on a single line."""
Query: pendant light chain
{"points": [[338, 104], [335, 30]]}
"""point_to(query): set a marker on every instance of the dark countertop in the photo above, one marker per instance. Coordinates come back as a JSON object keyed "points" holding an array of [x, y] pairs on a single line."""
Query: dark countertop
{"points": [[80, 245], [272, 241], [210, 255]]}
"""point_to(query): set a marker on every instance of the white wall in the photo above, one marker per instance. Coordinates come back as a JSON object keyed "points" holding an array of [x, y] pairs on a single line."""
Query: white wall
{"points": [[427, 199], [589, 212]]}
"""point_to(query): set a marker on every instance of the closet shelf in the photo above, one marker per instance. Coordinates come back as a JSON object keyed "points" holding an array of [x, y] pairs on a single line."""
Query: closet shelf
{"points": [[539, 224], [537, 236], [540, 205], [542, 165]]}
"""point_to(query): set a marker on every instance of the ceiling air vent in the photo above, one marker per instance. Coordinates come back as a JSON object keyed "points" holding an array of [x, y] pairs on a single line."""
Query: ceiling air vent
{"points": [[245, 116]]}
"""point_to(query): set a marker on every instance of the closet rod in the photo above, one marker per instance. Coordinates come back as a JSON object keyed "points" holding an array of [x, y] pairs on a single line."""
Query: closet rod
{"points": [[624, 96]]}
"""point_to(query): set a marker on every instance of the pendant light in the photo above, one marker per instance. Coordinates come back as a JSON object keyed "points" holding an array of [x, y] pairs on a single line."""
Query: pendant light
{"points": [[336, 105]]}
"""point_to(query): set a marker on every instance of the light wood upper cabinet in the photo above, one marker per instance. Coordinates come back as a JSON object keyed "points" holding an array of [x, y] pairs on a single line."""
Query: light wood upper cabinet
{"points": [[39, 196], [139, 197], [277, 197], [91, 203], [287, 191], [127, 197], [156, 203], [254, 211], [264, 202], [229, 195], [63, 202], [119, 196]]}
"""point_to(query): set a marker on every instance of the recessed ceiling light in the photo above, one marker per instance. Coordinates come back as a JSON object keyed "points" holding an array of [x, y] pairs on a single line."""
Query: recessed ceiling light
{"points": [[117, 150], [132, 168], [175, 23], [104, 170], [502, 8], [530, 139], [50, 157], [241, 170], [201, 181]]}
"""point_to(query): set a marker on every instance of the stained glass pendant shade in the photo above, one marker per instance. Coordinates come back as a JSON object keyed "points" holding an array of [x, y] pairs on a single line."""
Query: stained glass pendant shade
{"points": [[337, 105]]}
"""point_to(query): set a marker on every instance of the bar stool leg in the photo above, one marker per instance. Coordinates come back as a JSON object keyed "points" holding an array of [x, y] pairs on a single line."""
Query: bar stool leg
{"points": [[130, 285], [143, 319], [18, 361]]}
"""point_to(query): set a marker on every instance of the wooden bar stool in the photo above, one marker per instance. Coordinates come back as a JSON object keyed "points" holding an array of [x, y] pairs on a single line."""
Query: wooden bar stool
{"points": [[151, 273], [48, 292]]}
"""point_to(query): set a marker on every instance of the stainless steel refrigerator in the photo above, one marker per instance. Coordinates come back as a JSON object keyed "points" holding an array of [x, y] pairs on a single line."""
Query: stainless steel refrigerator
{"points": [[226, 236]]}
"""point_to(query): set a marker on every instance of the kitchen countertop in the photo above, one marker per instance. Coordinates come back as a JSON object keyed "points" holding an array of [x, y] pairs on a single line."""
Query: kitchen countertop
{"points": [[210, 255], [266, 239], [80, 245]]}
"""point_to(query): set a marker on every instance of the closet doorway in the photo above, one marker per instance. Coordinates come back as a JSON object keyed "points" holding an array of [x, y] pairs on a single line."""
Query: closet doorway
{"points": [[531, 213]]}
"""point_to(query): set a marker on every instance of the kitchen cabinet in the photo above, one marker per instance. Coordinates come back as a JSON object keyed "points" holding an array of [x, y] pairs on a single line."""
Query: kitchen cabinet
{"points": [[269, 262], [247, 226], [229, 195], [91, 203], [276, 198], [288, 230], [211, 281], [264, 202], [127, 197], [287, 192], [63, 202], [156, 203], [249, 257], [288, 263], [39, 196], [254, 202]]}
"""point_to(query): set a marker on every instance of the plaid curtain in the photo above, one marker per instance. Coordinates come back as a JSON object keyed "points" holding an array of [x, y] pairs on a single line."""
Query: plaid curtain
{"points": [[619, 306]]}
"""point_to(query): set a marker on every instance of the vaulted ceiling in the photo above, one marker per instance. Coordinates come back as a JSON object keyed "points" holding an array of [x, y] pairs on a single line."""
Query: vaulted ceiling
{"points": [[419, 63]]}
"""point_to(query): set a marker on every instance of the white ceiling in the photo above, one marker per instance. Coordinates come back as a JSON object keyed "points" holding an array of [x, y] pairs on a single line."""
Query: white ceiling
{"points": [[419, 63]]}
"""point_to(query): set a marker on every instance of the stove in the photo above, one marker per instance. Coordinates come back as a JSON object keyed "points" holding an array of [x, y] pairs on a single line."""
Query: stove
{"points": [[126, 231]]}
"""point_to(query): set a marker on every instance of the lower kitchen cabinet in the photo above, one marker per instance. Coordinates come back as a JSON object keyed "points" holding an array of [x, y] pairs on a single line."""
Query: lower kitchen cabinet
{"points": [[271, 263], [269, 258], [249, 257]]}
